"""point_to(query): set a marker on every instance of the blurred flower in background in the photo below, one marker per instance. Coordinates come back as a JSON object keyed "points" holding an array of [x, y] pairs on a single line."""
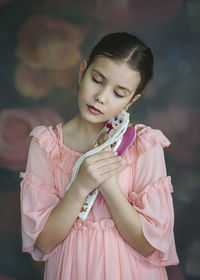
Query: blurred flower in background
{"points": [[48, 48], [36, 83], [15, 127], [46, 42]]}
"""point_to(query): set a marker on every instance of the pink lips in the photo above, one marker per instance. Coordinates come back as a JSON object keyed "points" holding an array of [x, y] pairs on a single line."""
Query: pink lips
{"points": [[94, 111]]}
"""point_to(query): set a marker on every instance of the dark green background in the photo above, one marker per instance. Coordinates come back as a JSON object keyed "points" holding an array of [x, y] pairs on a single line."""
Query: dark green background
{"points": [[171, 104]]}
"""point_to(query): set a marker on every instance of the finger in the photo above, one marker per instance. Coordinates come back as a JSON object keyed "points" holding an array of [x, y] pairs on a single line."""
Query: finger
{"points": [[108, 162], [102, 155], [107, 148], [112, 172], [111, 166]]}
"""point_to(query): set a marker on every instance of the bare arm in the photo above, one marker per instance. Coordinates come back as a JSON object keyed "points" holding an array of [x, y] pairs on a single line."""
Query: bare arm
{"points": [[61, 219], [124, 214], [94, 170], [126, 219]]}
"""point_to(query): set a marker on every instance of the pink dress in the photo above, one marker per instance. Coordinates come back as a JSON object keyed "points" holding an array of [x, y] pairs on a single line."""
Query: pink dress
{"points": [[94, 249]]}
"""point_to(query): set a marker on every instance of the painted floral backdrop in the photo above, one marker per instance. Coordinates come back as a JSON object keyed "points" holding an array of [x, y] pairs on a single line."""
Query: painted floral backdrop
{"points": [[41, 46]]}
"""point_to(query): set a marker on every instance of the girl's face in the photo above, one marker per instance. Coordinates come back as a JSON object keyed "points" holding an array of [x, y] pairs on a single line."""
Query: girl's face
{"points": [[108, 86]]}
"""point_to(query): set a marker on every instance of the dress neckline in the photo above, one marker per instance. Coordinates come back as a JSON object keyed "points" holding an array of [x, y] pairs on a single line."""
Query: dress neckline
{"points": [[69, 149], [60, 139]]}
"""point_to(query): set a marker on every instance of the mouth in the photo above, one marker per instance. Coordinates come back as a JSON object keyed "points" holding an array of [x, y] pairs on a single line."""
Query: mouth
{"points": [[94, 109]]}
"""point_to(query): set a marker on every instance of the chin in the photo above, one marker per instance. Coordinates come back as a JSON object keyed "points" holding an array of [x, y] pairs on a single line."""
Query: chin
{"points": [[93, 118]]}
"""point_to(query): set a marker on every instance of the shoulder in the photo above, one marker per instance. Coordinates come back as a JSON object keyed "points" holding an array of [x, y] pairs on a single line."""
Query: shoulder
{"points": [[146, 138], [42, 133], [151, 136], [138, 126], [46, 138]]}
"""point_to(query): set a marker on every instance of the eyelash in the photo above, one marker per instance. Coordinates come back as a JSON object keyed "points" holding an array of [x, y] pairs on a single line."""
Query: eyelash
{"points": [[116, 94], [96, 81]]}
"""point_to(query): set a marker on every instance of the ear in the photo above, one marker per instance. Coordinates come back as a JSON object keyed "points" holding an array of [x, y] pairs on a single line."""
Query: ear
{"points": [[82, 68], [133, 100]]}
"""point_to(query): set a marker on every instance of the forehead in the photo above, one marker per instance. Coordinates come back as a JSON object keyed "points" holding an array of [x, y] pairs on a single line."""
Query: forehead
{"points": [[118, 71]]}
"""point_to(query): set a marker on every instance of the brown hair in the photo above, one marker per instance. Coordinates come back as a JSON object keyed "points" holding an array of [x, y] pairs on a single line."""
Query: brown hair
{"points": [[129, 48]]}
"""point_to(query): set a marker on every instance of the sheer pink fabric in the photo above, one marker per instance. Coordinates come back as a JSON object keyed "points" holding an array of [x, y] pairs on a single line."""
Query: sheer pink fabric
{"points": [[94, 249]]}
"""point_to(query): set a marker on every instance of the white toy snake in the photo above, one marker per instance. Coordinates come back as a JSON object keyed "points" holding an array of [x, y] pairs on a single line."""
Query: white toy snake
{"points": [[121, 122]]}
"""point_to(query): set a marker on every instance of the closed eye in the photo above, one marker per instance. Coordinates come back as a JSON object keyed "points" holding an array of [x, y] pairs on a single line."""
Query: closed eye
{"points": [[99, 82], [96, 81], [118, 95]]}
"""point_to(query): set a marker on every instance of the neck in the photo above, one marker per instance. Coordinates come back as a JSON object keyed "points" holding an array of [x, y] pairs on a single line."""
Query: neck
{"points": [[88, 128]]}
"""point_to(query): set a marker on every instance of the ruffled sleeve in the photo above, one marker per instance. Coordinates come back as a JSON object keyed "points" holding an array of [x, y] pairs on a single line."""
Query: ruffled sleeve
{"points": [[38, 195], [151, 195]]}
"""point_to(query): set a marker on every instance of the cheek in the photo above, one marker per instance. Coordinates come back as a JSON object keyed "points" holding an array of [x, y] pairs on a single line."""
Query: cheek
{"points": [[115, 109], [82, 96], [85, 90], [112, 113]]}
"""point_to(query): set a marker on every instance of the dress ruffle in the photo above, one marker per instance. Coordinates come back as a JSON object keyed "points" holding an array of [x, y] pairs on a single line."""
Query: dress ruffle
{"points": [[146, 138], [154, 205], [47, 140], [35, 192], [53, 146], [103, 224]]}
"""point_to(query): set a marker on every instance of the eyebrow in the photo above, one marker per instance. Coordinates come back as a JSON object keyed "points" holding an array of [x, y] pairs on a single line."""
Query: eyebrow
{"points": [[121, 87]]}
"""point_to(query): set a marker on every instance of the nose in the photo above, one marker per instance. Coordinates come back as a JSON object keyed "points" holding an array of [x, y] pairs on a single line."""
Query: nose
{"points": [[101, 96]]}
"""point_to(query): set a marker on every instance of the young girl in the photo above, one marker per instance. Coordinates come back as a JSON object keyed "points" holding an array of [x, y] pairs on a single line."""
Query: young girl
{"points": [[129, 235]]}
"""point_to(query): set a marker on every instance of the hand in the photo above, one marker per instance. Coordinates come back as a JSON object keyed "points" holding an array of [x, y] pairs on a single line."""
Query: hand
{"points": [[96, 169], [112, 181]]}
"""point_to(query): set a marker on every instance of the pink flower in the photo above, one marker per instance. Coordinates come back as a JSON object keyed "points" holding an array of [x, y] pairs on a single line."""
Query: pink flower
{"points": [[15, 126], [36, 83], [46, 42]]}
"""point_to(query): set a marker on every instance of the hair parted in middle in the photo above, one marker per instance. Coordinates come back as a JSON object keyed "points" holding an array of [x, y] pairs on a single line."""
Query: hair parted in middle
{"points": [[126, 47]]}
